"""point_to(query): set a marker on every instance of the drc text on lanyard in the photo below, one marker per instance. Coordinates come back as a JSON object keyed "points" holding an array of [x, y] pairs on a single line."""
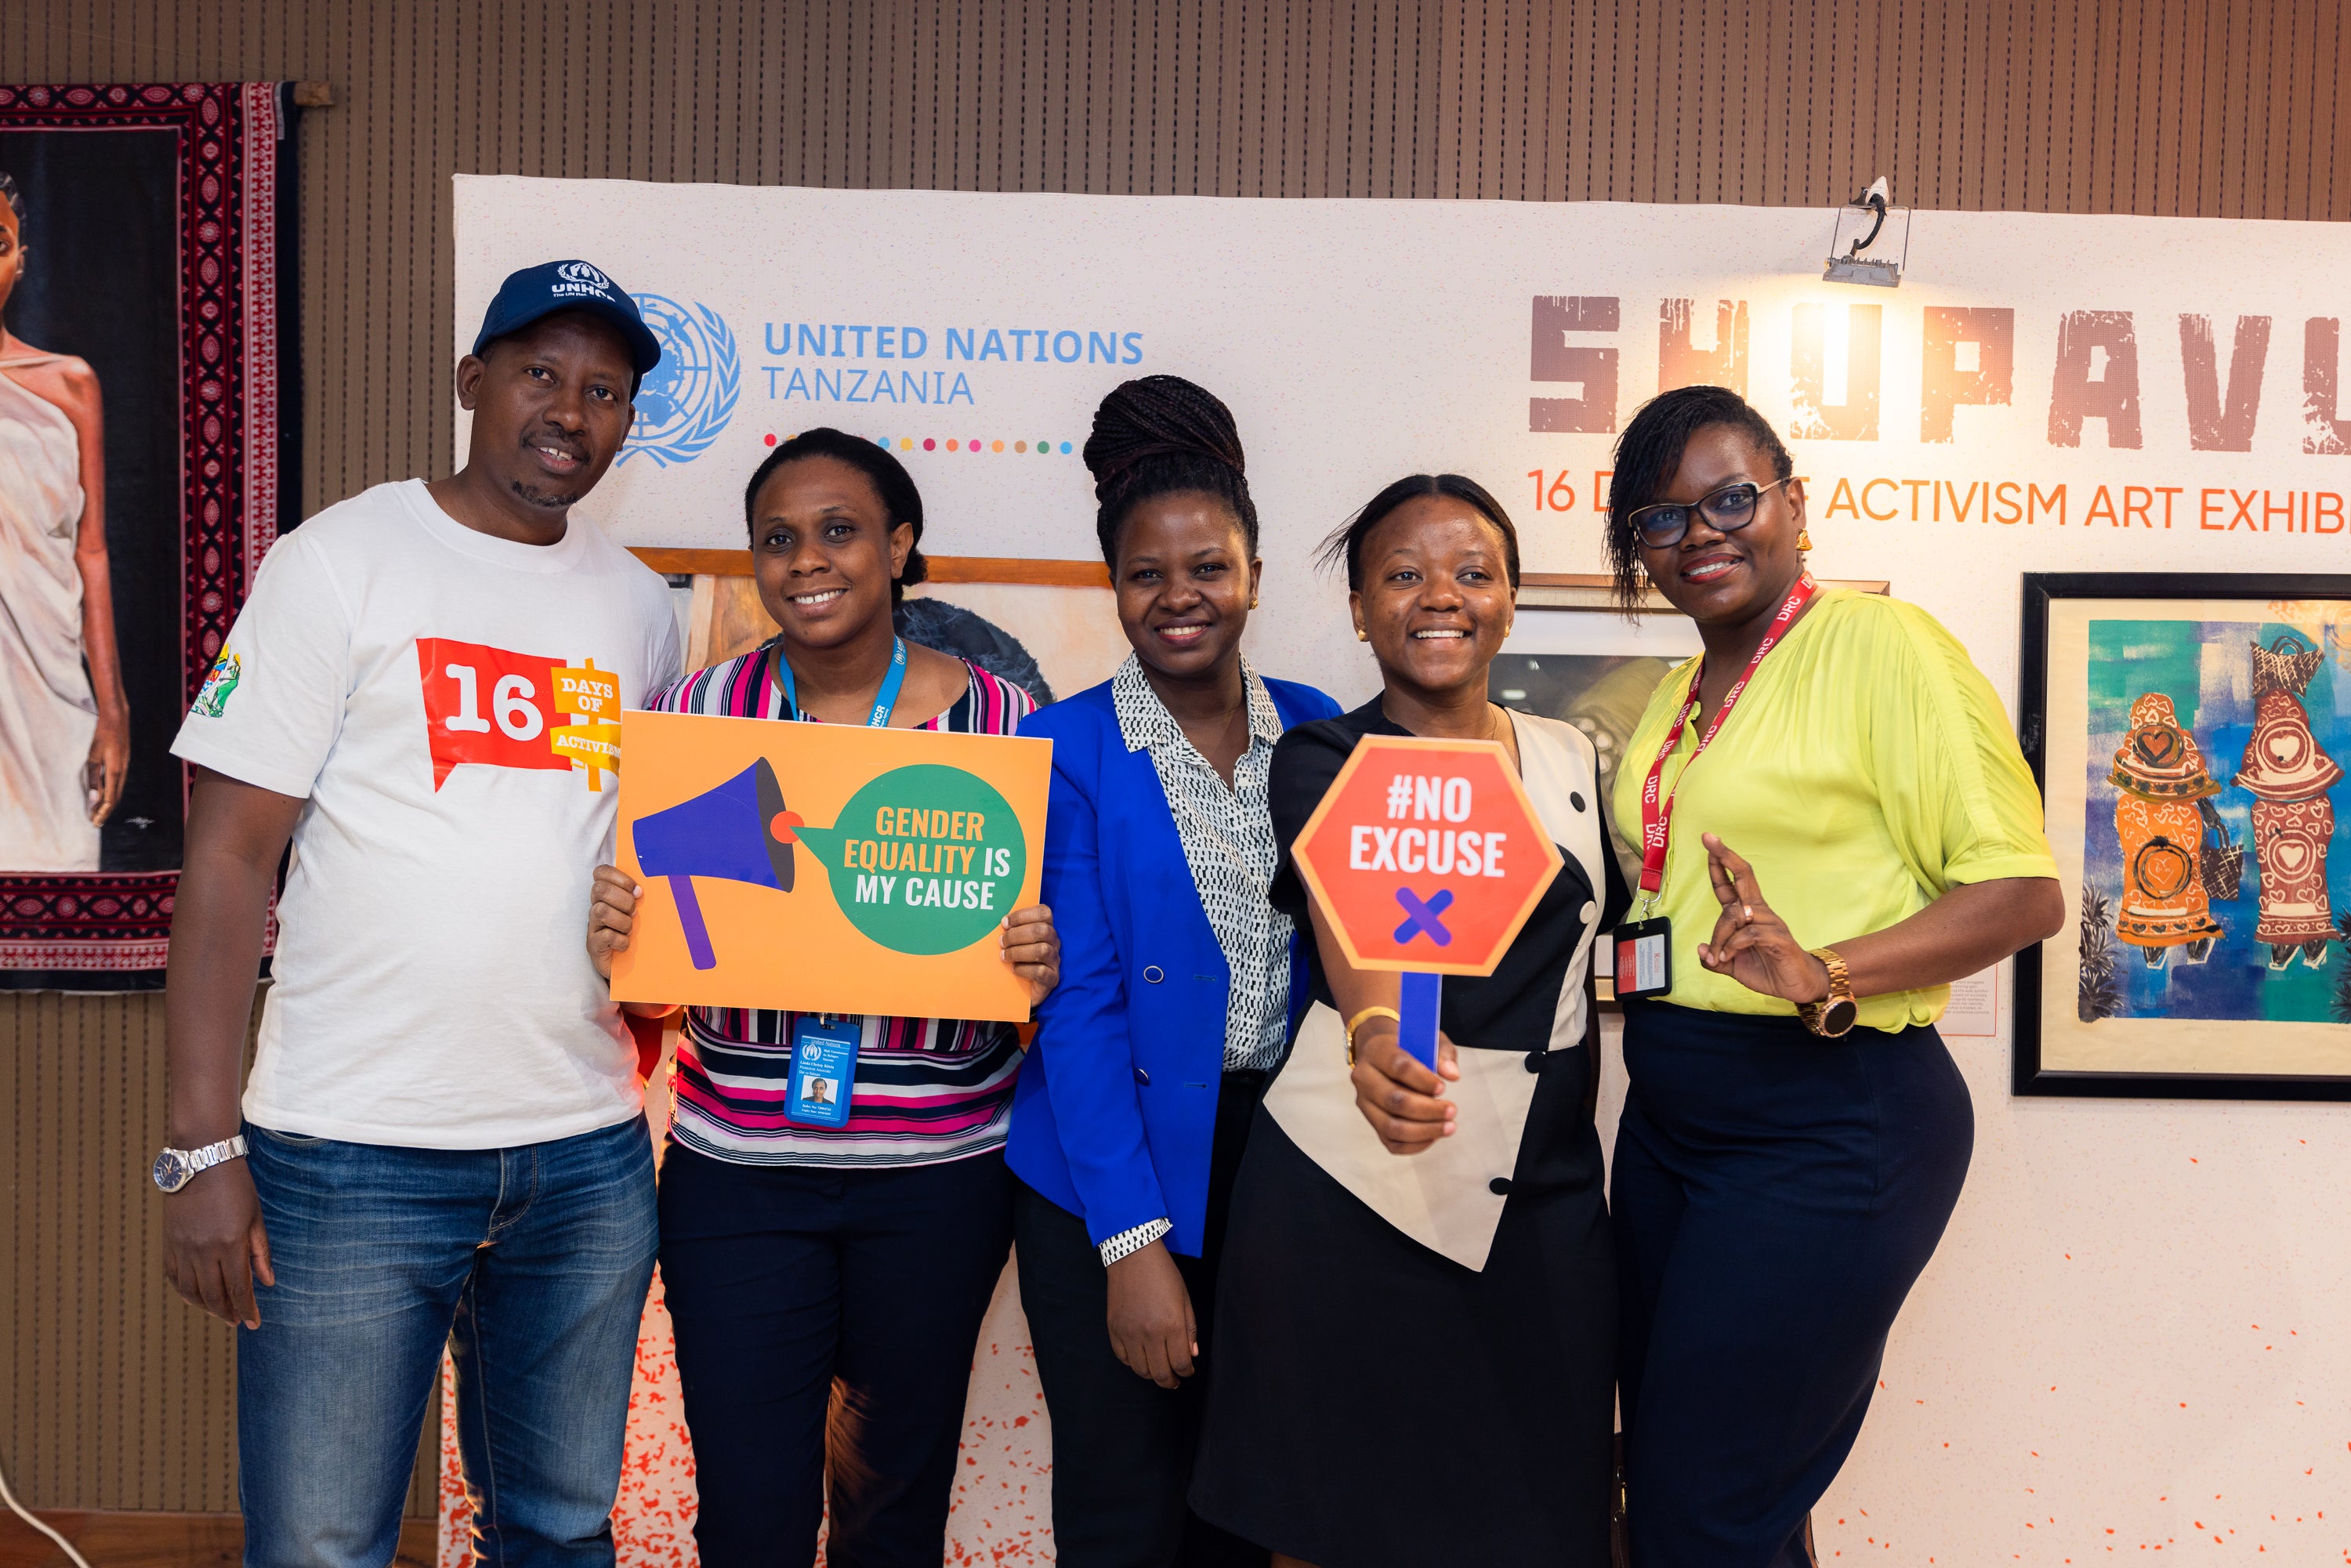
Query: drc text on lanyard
{"points": [[1644, 965], [824, 1048]]}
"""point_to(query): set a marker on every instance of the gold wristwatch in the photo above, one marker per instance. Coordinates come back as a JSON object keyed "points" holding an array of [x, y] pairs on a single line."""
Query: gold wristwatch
{"points": [[1833, 1014]]}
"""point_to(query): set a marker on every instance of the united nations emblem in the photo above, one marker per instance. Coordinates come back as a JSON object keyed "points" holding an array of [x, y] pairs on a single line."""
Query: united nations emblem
{"points": [[686, 400]]}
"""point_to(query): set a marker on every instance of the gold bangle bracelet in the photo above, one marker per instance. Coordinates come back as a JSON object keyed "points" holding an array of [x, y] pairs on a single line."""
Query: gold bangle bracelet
{"points": [[1357, 1022]]}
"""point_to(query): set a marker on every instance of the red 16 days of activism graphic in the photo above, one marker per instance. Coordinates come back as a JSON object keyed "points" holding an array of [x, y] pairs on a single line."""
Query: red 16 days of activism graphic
{"points": [[494, 709]]}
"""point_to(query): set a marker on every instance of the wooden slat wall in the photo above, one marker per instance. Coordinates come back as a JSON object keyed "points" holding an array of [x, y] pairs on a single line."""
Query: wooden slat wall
{"points": [[2214, 107], [113, 1394], [2210, 108]]}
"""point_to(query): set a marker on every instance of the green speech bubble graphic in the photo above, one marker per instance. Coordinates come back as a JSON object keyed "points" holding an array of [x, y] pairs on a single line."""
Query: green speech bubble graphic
{"points": [[923, 860]]}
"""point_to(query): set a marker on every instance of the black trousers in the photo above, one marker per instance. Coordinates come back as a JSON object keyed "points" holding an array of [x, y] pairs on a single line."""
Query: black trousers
{"points": [[1123, 1446], [825, 1323], [1776, 1196]]}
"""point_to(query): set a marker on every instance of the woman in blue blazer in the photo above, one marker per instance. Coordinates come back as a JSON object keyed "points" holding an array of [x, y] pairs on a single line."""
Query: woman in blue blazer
{"points": [[1180, 984]]}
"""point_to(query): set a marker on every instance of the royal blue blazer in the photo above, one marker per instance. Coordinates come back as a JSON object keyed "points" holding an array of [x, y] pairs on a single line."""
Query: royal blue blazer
{"points": [[1116, 1105]]}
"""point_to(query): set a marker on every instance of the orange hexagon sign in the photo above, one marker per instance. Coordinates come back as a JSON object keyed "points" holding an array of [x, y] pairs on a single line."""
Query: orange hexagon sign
{"points": [[1427, 855]]}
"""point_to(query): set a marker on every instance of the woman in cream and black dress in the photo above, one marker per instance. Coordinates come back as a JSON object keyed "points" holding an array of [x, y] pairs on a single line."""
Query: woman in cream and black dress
{"points": [[1416, 1320]]}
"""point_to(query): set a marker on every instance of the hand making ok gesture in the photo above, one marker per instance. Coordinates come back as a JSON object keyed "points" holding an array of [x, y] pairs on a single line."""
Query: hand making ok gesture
{"points": [[1750, 944]]}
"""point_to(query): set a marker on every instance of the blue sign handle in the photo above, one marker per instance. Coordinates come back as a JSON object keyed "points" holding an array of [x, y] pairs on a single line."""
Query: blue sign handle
{"points": [[697, 930], [1417, 999]]}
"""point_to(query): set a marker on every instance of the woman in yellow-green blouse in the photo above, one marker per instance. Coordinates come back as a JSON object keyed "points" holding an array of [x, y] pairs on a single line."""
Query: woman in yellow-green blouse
{"points": [[1836, 823]]}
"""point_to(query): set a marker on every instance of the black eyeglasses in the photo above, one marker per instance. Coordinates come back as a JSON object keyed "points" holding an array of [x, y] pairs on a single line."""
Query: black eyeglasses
{"points": [[1726, 510]]}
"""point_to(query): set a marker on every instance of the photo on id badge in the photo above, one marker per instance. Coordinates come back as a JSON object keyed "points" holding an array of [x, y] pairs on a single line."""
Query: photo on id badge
{"points": [[824, 1071]]}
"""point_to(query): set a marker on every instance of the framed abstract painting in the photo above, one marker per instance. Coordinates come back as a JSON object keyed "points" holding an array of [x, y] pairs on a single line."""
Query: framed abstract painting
{"points": [[2190, 732]]}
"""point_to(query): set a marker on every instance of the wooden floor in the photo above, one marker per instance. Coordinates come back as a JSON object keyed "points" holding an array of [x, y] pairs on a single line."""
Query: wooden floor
{"points": [[160, 1540]]}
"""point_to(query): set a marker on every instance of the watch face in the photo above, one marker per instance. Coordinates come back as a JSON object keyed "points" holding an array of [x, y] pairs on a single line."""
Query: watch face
{"points": [[171, 1171], [1838, 1016]]}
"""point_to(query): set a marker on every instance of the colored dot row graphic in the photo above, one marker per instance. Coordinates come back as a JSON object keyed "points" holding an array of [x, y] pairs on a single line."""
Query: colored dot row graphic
{"points": [[957, 443]]}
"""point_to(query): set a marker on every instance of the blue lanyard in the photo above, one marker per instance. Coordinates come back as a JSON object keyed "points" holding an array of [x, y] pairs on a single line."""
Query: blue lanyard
{"points": [[883, 700]]}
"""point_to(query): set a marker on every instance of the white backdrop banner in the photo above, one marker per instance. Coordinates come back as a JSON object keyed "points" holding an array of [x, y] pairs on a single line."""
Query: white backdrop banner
{"points": [[2040, 393]]}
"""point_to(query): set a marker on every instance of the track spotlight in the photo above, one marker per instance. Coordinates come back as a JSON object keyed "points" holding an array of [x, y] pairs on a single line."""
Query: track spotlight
{"points": [[1869, 222]]}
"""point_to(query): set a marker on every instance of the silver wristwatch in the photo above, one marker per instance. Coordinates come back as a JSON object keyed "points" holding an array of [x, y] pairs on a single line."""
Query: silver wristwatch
{"points": [[174, 1168]]}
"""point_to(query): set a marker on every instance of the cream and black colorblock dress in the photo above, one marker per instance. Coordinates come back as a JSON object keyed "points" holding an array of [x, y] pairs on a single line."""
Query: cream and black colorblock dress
{"points": [[1415, 1355]]}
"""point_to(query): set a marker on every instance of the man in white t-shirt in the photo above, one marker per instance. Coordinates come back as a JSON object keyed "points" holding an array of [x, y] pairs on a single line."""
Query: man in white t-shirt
{"points": [[441, 1139]]}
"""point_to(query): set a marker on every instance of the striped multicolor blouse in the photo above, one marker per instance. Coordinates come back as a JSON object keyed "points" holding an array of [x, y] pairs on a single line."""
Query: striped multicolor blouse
{"points": [[928, 1090]]}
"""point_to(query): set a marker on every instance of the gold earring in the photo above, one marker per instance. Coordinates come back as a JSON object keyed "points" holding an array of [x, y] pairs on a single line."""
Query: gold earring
{"points": [[1803, 539], [1362, 635]]}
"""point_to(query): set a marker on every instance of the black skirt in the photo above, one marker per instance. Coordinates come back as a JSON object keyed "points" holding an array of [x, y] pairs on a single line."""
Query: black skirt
{"points": [[1375, 1402]]}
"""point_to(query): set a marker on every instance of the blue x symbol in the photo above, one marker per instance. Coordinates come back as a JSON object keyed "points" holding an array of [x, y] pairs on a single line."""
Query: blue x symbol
{"points": [[1419, 916]]}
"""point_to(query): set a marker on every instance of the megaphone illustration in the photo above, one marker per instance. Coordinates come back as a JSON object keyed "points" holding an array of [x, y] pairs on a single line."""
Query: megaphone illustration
{"points": [[739, 831]]}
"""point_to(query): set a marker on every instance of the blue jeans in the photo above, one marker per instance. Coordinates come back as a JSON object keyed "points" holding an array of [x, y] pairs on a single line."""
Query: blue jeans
{"points": [[532, 1263]]}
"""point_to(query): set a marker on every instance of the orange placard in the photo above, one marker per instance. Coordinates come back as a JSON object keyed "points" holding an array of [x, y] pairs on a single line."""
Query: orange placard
{"points": [[1427, 855], [826, 868]]}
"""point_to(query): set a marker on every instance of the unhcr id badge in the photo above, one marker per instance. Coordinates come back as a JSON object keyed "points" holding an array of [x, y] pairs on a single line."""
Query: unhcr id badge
{"points": [[824, 1070]]}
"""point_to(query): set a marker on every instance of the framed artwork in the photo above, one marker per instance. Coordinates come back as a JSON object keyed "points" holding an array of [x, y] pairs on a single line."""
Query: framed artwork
{"points": [[2189, 731], [147, 449]]}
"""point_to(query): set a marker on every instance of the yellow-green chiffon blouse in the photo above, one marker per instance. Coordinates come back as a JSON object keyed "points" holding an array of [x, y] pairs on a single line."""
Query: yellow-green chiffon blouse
{"points": [[1868, 770]]}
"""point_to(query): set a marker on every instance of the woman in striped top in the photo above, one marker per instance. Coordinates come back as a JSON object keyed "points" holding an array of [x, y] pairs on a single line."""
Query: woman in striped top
{"points": [[795, 1257]]}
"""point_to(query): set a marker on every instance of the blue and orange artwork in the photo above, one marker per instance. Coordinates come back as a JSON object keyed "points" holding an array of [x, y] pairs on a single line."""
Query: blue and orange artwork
{"points": [[2208, 888]]}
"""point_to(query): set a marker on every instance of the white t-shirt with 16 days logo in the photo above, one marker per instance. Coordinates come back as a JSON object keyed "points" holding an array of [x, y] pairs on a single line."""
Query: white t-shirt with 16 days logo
{"points": [[438, 699]]}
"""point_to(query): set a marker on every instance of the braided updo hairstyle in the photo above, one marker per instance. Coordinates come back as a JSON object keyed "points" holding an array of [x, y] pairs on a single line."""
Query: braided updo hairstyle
{"points": [[1158, 436]]}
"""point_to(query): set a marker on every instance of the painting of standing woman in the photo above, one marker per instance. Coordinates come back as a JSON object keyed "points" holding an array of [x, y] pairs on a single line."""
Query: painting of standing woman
{"points": [[149, 442], [65, 722]]}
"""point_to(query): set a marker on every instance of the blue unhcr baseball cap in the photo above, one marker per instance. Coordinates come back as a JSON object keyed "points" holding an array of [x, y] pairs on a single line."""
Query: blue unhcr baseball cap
{"points": [[537, 291]]}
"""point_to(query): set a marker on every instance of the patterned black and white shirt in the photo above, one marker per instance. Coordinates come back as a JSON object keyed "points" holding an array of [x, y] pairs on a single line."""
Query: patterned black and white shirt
{"points": [[1228, 835]]}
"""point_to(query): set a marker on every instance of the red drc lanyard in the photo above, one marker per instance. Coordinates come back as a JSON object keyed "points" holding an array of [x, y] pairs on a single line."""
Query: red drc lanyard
{"points": [[1657, 815]]}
